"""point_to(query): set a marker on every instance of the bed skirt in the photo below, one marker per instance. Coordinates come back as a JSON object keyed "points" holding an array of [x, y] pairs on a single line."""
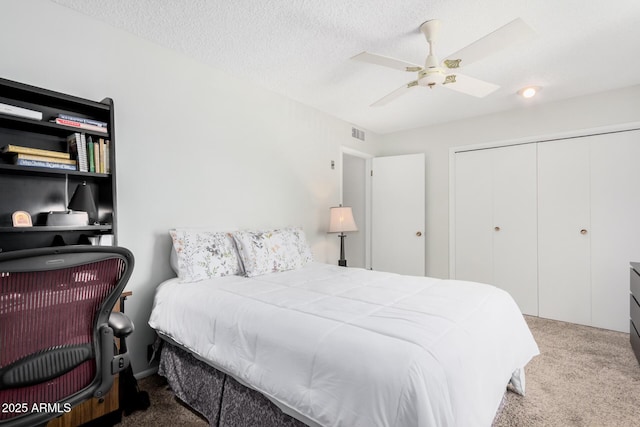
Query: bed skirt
{"points": [[222, 400]]}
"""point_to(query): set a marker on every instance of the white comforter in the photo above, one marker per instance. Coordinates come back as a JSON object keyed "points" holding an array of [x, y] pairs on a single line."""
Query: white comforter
{"points": [[352, 347]]}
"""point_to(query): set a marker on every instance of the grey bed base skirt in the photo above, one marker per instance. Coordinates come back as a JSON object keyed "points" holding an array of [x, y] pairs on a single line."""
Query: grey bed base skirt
{"points": [[222, 400]]}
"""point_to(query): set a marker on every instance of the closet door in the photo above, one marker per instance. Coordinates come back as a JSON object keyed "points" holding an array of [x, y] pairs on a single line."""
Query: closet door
{"points": [[474, 216], [615, 217], [515, 228], [564, 231], [496, 226]]}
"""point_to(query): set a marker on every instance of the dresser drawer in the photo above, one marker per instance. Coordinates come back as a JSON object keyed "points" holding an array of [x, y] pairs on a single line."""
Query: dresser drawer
{"points": [[634, 311], [635, 285], [635, 340]]}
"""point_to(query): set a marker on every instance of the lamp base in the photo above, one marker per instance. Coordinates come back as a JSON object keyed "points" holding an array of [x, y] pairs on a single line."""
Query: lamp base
{"points": [[67, 218], [342, 262]]}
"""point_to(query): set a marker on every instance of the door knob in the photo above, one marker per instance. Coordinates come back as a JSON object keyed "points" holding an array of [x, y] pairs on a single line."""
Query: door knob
{"points": [[583, 231], [496, 228], [419, 233]]}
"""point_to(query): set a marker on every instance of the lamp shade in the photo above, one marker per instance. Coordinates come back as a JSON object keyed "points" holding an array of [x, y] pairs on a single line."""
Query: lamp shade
{"points": [[342, 220], [82, 200]]}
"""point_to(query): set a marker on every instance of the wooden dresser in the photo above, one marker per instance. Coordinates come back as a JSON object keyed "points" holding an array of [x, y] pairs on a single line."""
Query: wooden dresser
{"points": [[634, 311]]}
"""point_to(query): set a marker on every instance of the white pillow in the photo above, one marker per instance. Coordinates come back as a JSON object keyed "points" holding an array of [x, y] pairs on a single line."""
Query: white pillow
{"points": [[204, 254], [272, 250]]}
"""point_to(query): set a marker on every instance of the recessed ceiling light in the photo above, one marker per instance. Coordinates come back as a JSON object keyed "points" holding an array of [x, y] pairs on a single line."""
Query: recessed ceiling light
{"points": [[529, 91]]}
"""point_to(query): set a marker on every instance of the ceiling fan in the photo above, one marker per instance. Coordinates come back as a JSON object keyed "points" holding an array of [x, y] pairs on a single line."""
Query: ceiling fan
{"points": [[435, 73]]}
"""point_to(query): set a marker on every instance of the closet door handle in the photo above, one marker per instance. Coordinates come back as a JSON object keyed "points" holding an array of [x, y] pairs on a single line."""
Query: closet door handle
{"points": [[496, 228], [418, 233], [583, 231]]}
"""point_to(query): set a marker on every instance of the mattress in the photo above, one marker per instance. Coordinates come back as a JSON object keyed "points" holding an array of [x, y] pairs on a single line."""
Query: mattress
{"points": [[337, 346]]}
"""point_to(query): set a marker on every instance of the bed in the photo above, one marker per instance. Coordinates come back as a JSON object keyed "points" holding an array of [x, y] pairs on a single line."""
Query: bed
{"points": [[254, 328]]}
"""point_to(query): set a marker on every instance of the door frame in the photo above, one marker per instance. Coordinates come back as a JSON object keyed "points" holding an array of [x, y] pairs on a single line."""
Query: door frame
{"points": [[366, 227]]}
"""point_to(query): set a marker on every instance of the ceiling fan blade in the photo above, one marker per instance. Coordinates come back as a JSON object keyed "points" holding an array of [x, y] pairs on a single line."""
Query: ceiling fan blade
{"points": [[395, 94], [386, 61], [505, 36], [469, 85]]}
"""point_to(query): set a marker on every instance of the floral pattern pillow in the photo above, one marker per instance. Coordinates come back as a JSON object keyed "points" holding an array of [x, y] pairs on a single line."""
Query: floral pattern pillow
{"points": [[272, 250], [204, 254]]}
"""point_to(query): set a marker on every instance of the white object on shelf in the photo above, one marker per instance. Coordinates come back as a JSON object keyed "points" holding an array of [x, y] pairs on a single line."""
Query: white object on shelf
{"points": [[106, 240], [20, 112]]}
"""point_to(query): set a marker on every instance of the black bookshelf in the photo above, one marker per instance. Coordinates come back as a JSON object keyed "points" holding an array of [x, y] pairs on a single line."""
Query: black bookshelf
{"points": [[39, 190]]}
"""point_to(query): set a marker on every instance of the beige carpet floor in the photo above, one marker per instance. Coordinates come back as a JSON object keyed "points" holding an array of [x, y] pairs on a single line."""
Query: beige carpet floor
{"points": [[584, 377]]}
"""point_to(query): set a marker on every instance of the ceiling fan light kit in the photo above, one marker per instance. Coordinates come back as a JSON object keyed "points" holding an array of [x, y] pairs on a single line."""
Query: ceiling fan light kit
{"points": [[529, 91], [435, 73]]}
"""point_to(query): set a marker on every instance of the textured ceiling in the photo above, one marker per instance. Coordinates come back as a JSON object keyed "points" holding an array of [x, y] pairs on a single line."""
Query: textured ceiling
{"points": [[301, 48]]}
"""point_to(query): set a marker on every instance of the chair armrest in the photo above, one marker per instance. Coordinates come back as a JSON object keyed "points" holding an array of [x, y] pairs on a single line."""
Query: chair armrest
{"points": [[122, 326]]}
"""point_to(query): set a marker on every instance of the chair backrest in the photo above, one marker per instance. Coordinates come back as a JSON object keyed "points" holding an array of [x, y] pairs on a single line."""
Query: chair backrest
{"points": [[53, 304]]}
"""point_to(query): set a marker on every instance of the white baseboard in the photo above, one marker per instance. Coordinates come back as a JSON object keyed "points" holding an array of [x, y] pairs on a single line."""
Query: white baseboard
{"points": [[147, 372]]}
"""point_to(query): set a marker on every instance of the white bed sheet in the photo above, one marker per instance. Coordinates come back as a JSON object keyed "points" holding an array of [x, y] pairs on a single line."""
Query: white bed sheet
{"points": [[352, 347]]}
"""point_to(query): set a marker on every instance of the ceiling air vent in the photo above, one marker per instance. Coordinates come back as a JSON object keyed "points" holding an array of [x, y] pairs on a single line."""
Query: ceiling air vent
{"points": [[357, 133]]}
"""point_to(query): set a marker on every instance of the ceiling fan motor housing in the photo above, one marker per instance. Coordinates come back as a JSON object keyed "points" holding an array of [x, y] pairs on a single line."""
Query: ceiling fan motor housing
{"points": [[432, 74], [431, 77]]}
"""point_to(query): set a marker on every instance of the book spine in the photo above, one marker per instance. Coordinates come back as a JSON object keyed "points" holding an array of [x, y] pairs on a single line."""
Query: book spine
{"points": [[82, 153], [83, 120], [103, 168], [45, 159], [90, 155], [35, 151], [72, 147], [79, 125], [96, 157], [107, 156], [42, 164]]}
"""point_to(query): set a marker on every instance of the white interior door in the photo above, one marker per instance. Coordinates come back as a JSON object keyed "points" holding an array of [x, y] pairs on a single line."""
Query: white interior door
{"points": [[397, 214], [564, 231]]}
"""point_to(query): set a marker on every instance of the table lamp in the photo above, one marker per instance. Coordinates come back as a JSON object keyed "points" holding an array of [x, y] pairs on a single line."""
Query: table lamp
{"points": [[342, 221], [82, 200]]}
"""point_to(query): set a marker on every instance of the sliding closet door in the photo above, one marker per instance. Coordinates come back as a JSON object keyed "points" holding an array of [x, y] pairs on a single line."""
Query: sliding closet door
{"points": [[474, 216], [615, 218], [515, 227], [564, 231], [495, 220]]}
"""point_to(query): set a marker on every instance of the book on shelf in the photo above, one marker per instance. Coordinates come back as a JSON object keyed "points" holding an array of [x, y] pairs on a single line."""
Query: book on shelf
{"points": [[79, 125], [96, 156], [83, 165], [46, 159], [90, 154], [12, 110], [107, 156], [44, 164], [77, 150], [19, 149], [83, 120], [103, 169]]}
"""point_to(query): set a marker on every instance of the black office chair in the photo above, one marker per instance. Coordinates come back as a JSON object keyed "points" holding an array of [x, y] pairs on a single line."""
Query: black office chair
{"points": [[57, 328]]}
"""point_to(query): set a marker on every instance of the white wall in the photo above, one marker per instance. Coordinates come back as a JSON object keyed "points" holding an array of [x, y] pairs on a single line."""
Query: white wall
{"points": [[194, 147], [598, 110]]}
